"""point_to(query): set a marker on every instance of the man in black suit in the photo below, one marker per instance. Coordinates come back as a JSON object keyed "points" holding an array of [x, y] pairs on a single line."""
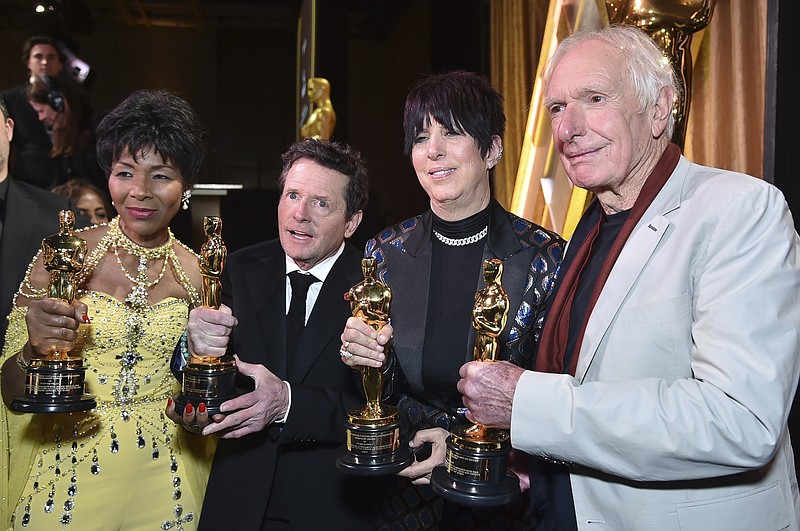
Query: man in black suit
{"points": [[275, 463], [31, 160], [27, 214]]}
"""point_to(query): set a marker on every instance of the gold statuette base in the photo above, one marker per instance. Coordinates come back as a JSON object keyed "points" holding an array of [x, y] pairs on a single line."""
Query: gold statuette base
{"points": [[374, 447], [475, 469], [208, 383], [54, 386]]}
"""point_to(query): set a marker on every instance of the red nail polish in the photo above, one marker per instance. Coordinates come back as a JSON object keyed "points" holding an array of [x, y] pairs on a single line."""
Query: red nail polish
{"points": [[201, 408], [189, 409], [169, 402], [86, 319]]}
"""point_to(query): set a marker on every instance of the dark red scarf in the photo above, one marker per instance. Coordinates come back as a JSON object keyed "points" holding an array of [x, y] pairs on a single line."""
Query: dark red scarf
{"points": [[553, 342]]}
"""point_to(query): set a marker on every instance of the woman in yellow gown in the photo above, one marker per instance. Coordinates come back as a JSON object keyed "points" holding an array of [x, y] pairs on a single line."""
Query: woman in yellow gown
{"points": [[122, 465]]}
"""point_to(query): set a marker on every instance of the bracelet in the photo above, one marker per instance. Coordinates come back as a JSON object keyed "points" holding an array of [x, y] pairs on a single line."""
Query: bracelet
{"points": [[184, 345], [23, 365]]}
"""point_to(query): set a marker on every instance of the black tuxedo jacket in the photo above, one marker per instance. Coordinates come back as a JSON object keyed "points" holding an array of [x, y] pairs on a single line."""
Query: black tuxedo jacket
{"points": [[31, 214], [299, 457]]}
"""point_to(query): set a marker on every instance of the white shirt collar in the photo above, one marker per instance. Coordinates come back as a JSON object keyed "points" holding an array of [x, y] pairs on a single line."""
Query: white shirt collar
{"points": [[320, 270]]}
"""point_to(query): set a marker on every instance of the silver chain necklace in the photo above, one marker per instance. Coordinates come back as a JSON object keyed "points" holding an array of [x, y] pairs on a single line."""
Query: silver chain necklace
{"points": [[458, 242]]}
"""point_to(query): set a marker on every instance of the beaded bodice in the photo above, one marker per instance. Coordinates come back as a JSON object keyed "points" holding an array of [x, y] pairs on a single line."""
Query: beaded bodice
{"points": [[126, 350]]}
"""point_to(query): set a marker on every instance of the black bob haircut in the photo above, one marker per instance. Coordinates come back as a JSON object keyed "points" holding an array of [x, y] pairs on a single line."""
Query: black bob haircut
{"points": [[461, 102]]}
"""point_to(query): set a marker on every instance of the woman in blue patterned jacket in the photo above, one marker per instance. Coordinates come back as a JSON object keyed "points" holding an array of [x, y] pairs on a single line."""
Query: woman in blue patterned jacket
{"points": [[454, 124]]}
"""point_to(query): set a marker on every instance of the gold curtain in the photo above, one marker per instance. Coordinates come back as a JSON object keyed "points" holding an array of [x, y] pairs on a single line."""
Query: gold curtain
{"points": [[517, 27], [726, 120]]}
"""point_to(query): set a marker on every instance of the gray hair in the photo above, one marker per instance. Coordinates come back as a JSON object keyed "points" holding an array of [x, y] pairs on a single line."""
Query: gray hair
{"points": [[649, 69]]}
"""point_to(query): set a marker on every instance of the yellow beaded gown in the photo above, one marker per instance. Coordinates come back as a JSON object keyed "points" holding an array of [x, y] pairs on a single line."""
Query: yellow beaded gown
{"points": [[123, 465]]}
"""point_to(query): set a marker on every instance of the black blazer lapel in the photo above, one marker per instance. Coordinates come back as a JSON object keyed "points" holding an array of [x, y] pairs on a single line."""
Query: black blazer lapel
{"points": [[268, 295], [409, 274]]}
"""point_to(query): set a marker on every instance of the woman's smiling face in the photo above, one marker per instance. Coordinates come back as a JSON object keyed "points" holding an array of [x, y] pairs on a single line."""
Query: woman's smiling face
{"points": [[147, 193]]}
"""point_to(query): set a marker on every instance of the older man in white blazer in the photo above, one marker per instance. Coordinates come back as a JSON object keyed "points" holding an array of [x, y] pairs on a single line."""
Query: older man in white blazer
{"points": [[671, 353]]}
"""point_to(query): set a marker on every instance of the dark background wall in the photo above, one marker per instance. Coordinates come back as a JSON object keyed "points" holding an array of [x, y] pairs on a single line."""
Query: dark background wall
{"points": [[236, 65], [783, 115], [235, 62], [786, 109]]}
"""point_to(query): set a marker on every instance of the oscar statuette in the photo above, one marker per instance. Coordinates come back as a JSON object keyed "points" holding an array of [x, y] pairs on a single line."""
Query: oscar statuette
{"points": [[209, 379], [373, 430], [671, 25], [476, 458], [55, 383]]}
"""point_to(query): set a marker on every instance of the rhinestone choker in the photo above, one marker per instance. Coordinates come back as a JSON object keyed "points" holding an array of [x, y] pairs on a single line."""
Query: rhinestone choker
{"points": [[458, 242]]}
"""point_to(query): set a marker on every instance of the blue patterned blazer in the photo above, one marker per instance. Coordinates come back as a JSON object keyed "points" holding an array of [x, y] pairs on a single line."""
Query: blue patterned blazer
{"points": [[530, 256]]}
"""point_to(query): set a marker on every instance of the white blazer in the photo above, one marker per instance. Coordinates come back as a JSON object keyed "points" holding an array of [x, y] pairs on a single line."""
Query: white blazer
{"points": [[677, 416]]}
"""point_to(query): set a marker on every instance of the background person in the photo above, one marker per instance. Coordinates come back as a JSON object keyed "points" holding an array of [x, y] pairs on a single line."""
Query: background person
{"points": [[454, 124], [676, 360], [30, 158], [63, 107], [88, 200], [290, 427], [122, 465]]}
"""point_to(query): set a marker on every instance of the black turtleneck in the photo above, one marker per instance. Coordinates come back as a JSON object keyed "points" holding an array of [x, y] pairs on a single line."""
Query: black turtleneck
{"points": [[455, 273]]}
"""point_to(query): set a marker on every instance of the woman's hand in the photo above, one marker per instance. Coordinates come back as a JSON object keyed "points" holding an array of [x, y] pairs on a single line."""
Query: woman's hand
{"points": [[193, 419], [364, 346], [519, 465], [420, 472], [53, 325]]}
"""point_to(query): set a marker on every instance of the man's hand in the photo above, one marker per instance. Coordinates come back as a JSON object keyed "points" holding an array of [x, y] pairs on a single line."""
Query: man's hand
{"points": [[487, 390], [209, 330], [420, 472], [255, 410], [362, 345]]}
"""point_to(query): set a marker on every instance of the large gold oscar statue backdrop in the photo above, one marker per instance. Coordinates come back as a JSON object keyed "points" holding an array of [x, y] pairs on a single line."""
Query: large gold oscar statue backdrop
{"points": [[542, 191], [671, 24]]}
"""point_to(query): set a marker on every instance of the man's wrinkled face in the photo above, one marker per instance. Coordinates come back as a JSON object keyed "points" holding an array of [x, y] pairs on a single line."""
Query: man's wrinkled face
{"points": [[599, 130], [312, 213]]}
